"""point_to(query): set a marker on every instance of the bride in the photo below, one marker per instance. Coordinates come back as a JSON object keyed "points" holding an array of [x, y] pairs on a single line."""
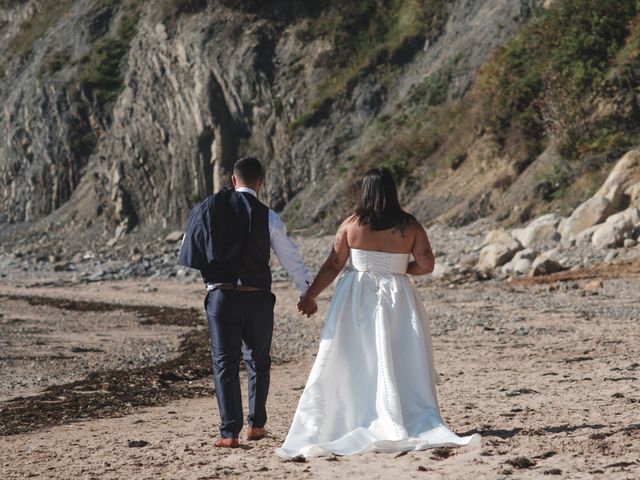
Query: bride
{"points": [[372, 386]]}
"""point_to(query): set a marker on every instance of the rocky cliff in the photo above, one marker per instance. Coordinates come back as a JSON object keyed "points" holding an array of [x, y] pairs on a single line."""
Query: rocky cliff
{"points": [[120, 114]]}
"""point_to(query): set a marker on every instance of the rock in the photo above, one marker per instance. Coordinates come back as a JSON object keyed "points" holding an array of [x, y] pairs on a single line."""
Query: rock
{"points": [[590, 213], [610, 257], [619, 187], [61, 267], [593, 285], [499, 235], [440, 270], [121, 229], [174, 237], [546, 264], [526, 254], [499, 253], [541, 229], [182, 272], [522, 266], [520, 263], [624, 174], [137, 443], [95, 276], [584, 237], [629, 242], [469, 260], [613, 232], [633, 194]]}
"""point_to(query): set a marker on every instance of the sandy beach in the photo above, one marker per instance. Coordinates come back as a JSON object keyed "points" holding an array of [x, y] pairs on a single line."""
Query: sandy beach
{"points": [[112, 380]]}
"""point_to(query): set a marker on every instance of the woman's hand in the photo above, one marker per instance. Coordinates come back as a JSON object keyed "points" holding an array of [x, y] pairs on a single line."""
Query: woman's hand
{"points": [[307, 306]]}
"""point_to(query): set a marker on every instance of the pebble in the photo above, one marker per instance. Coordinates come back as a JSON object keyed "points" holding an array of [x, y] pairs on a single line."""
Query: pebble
{"points": [[135, 257], [593, 285]]}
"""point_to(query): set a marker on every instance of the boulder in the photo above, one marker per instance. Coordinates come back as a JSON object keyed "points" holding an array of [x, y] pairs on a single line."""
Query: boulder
{"points": [[593, 285], [520, 263], [522, 266], [584, 237], [174, 237], [469, 260], [542, 229], [526, 254], [498, 253], [499, 235], [633, 194], [440, 270], [612, 233], [624, 174], [546, 263], [590, 213]]}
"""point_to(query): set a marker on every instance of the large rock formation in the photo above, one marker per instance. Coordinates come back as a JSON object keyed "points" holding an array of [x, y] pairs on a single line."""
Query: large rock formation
{"points": [[187, 94]]}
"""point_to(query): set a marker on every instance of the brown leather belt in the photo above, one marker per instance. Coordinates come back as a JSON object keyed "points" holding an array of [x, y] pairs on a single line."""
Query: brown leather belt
{"points": [[238, 288]]}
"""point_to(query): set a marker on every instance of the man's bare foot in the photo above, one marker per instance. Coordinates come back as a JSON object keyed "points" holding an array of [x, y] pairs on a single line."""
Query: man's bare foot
{"points": [[227, 443], [256, 433]]}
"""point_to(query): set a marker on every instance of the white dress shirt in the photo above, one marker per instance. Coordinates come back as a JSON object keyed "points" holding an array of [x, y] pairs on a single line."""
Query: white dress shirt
{"points": [[286, 251]]}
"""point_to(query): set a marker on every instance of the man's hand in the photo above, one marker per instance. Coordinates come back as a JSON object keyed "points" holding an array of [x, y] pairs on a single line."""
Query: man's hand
{"points": [[307, 306]]}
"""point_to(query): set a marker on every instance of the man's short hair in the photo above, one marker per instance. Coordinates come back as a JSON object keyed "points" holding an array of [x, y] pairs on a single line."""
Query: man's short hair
{"points": [[249, 170]]}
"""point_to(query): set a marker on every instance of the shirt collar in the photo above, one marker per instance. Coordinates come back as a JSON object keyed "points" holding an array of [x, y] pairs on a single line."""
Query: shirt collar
{"points": [[247, 190]]}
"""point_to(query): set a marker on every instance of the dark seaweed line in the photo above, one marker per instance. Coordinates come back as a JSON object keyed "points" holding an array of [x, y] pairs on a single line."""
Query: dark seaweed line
{"points": [[185, 317], [115, 392]]}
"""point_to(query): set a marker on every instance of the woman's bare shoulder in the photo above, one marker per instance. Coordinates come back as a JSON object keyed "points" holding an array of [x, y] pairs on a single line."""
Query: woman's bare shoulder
{"points": [[350, 222], [351, 219], [414, 225]]}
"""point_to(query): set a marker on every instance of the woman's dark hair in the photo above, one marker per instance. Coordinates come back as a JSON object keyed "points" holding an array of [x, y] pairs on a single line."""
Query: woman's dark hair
{"points": [[378, 206]]}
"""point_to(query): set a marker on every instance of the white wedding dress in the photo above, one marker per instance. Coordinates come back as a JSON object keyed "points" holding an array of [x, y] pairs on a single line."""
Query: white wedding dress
{"points": [[372, 386]]}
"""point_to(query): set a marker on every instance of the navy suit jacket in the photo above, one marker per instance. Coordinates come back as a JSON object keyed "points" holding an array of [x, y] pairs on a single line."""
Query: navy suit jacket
{"points": [[217, 230]]}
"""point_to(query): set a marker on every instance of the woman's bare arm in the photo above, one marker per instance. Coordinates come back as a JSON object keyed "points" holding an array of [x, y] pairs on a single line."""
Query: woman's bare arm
{"points": [[424, 261], [330, 268]]}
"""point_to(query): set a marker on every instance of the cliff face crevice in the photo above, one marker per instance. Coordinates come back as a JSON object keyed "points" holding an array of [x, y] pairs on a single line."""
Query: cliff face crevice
{"points": [[196, 91]]}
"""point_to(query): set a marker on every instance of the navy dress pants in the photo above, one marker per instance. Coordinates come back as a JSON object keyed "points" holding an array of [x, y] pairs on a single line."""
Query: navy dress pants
{"points": [[240, 321]]}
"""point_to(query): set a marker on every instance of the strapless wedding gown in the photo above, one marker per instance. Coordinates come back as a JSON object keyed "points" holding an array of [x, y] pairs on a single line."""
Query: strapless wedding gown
{"points": [[372, 386]]}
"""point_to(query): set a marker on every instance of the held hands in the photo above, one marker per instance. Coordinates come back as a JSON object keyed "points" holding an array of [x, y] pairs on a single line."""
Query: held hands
{"points": [[307, 306]]}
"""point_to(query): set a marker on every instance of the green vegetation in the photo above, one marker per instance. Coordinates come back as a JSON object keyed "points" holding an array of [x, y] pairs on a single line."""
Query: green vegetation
{"points": [[100, 75], [54, 62], [411, 142], [366, 35], [552, 182], [100, 70], [434, 89], [194, 198], [100, 79], [174, 8], [83, 145], [11, 3], [550, 79]]}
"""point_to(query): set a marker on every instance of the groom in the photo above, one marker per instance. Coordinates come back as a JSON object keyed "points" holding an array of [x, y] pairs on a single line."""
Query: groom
{"points": [[239, 302]]}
